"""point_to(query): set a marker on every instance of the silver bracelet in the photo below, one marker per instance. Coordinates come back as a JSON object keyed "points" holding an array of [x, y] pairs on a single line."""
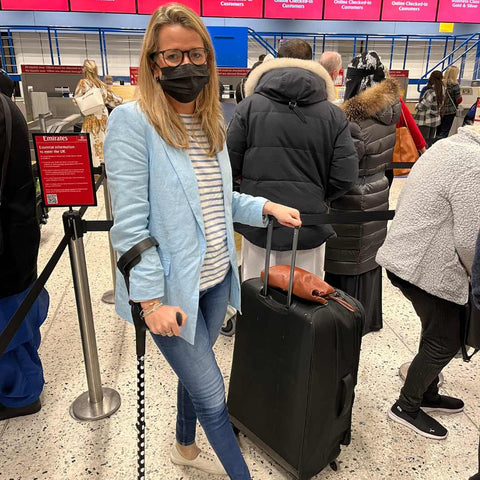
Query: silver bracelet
{"points": [[147, 312]]}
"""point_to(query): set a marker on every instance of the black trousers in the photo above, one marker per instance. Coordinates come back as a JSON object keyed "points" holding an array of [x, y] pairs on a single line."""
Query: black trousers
{"points": [[444, 128], [367, 289], [429, 134], [442, 323]]}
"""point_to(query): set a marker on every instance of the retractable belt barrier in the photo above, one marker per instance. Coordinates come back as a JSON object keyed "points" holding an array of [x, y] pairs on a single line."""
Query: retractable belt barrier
{"points": [[80, 226]]}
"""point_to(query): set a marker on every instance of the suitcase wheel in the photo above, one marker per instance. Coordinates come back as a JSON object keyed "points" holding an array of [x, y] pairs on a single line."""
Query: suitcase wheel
{"points": [[334, 465], [228, 328]]}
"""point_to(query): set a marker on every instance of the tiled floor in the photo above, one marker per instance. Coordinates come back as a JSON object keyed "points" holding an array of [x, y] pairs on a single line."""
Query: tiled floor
{"points": [[51, 445]]}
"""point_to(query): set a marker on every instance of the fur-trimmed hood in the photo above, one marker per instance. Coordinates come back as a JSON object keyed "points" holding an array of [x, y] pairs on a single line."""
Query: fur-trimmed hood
{"points": [[304, 81], [374, 102]]}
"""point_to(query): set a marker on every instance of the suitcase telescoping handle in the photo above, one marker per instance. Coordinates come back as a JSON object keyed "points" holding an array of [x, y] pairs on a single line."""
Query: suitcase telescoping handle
{"points": [[292, 263]]}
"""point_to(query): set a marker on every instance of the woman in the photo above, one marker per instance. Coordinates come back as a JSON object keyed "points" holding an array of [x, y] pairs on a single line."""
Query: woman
{"points": [[427, 111], [451, 100], [170, 178], [428, 254], [96, 125], [373, 108]]}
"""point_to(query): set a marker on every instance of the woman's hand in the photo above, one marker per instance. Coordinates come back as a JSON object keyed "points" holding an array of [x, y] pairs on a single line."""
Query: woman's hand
{"points": [[163, 321], [287, 216]]}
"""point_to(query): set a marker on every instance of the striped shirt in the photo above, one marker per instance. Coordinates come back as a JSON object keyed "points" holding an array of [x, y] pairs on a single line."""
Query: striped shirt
{"points": [[210, 188]]}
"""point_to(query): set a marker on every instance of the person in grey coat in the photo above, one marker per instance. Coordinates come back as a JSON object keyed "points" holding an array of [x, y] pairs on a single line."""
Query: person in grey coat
{"points": [[428, 255], [373, 108]]}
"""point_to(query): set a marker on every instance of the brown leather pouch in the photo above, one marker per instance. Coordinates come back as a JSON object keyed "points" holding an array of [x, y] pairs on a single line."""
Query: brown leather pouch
{"points": [[305, 285]]}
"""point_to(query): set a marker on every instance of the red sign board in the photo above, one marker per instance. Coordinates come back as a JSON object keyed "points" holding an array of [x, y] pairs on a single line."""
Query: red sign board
{"points": [[65, 166], [461, 11], [65, 69], [50, 5], [308, 10], [409, 10], [103, 6], [232, 72], [233, 8], [149, 6], [133, 75], [352, 10]]}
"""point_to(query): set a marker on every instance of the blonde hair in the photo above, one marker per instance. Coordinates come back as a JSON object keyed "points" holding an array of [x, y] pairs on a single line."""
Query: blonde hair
{"points": [[450, 75], [151, 97], [90, 72]]}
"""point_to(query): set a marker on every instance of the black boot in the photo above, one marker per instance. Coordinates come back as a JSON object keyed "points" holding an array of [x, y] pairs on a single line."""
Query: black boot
{"points": [[6, 412]]}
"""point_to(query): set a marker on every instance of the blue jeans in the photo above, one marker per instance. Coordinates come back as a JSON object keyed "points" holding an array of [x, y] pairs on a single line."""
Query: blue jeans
{"points": [[201, 392]]}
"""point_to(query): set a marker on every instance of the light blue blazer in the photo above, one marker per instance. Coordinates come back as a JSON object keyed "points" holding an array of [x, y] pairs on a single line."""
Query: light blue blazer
{"points": [[154, 193]]}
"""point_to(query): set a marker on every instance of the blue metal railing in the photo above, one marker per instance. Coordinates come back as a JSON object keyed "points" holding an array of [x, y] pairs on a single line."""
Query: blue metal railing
{"points": [[449, 58], [360, 42]]}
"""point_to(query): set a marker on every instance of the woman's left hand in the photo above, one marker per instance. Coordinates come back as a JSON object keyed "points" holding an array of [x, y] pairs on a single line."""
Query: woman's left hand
{"points": [[287, 216]]}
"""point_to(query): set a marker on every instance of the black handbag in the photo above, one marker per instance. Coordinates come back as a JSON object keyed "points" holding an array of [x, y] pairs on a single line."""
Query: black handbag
{"points": [[6, 156], [471, 334]]}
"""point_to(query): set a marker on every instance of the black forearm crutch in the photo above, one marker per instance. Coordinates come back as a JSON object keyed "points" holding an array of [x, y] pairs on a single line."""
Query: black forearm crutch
{"points": [[125, 263]]}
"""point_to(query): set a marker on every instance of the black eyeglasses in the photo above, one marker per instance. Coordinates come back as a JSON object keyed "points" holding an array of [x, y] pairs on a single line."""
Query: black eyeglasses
{"points": [[173, 57]]}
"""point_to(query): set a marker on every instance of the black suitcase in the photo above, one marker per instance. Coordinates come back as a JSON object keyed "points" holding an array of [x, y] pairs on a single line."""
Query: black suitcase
{"points": [[293, 374]]}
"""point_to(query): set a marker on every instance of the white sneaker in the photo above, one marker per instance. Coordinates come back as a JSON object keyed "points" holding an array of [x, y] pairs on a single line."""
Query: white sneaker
{"points": [[204, 461]]}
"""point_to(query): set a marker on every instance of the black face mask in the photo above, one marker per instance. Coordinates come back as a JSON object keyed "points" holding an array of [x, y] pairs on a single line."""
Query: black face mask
{"points": [[185, 82]]}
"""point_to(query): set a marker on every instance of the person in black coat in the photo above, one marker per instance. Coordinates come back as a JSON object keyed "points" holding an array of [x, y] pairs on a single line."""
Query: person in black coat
{"points": [[287, 142], [21, 379], [373, 108]]}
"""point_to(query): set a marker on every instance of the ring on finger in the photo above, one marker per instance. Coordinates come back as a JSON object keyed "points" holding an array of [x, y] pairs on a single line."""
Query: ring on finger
{"points": [[170, 334]]}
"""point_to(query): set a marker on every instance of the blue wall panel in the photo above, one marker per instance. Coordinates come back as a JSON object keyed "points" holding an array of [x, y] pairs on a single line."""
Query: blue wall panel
{"points": [[231, 46]]}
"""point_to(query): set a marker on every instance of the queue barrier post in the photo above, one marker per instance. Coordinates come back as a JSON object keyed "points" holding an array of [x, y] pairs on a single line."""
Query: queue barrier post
{"points": [[98, 402], [109, 295]]}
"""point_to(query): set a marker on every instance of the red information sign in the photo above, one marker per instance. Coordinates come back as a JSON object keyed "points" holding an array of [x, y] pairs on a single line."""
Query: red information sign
{"points": [[50, 5], [149, 6], [65, 69], [352, 10], [65, 166], [294, 9], [233, 8], [409, 10], [232, 72], [133, 75], [461, 11], [103, 6]]}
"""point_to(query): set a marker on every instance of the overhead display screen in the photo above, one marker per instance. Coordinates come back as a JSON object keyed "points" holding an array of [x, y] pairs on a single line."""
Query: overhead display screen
{"points": [[352, 10], [103, 6], [233, 8], [462, 11], [294, 9], [50, 5], [149, 6], [409, 10]]}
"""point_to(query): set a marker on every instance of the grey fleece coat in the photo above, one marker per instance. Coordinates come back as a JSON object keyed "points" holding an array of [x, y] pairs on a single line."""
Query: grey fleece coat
{"points": [[431, 241]]}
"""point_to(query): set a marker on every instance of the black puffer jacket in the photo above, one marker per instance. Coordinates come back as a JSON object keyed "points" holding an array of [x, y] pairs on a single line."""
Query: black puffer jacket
{"points": [[372, 115], [20, 231], [288, 143]]}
